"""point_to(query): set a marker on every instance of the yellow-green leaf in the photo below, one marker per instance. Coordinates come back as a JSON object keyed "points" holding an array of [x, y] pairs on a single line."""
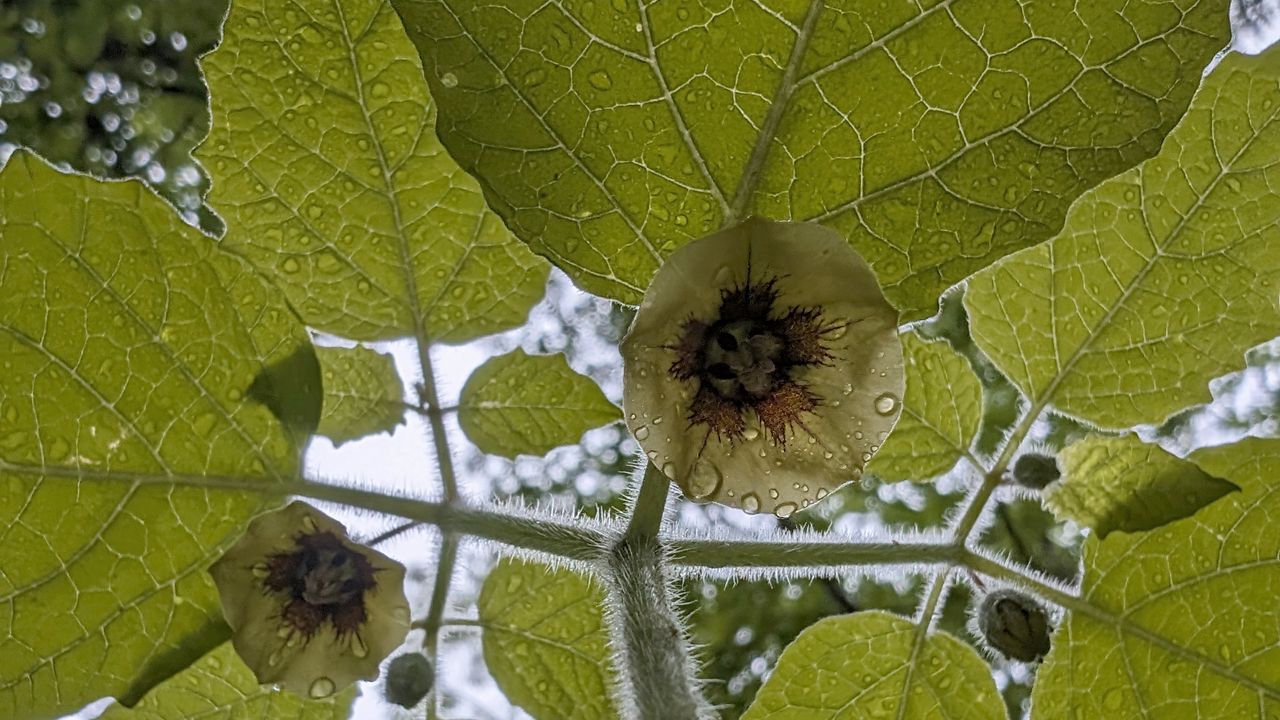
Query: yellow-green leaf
{"points": [[940, 414], [220, 687], [128, 342], [545, 641], [1122, 483], [936, 136], [530, 404], [327, 171], [1162, 277], [1181, 622], [362, 393], [873, 664]]}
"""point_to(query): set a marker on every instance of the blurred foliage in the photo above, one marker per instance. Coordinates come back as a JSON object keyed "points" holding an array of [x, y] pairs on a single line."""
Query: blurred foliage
{"points": [[111, 87]]}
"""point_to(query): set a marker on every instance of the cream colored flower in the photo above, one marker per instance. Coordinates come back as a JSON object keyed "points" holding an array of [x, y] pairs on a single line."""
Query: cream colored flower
{"points": [[763, 368], [310, 609]]}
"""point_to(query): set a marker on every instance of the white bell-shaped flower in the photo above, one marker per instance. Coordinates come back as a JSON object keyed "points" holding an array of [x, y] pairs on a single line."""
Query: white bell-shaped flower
{"points": [[763, 368], [309, 608]]}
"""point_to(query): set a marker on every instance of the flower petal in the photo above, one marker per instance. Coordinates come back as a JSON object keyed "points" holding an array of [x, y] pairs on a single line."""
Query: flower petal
{"points": [[858, 384], [328, 660]]}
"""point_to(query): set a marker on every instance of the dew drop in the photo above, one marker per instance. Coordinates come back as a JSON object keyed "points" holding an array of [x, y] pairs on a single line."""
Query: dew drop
{"points": [[773, 493], [600, 80], [751, 433], [321, 687], [724, 276], [657, 420], [260, 570], [784, 510], [751, 503], [274, 658], [838, 331], [822, 492], [642, 433], [308, 523], [449, 80], [886, 404], [669, 469], [704, 481]]}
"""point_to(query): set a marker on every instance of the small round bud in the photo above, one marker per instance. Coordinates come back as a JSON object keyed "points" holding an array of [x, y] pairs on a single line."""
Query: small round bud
{"points": [[1015, 625], [1036, 471], [409, 679]]}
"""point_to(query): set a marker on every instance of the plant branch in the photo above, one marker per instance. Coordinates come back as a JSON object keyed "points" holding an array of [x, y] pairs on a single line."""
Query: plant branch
{"points": [[440, 590], [554, 536], [650, 504], [658, 672], [714, 553]]}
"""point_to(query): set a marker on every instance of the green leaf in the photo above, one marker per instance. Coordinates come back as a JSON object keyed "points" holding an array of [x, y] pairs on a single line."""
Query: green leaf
{"points": [[1181, 622], [1162, 277], [292, 389], [937, 137], [545, 641], [220, 687], [326, 169], [940, 414], [530, 404], [128, 342], [362, 393], [1122, 483], [873, 664]]}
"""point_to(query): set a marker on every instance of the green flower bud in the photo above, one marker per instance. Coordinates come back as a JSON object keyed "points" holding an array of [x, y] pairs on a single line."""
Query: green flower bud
{"points": [[1036, 471], [1014, 625], [409, 679]]}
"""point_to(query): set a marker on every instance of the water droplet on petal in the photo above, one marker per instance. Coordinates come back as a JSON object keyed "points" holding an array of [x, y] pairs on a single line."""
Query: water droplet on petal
{"points": [[669, 469], [704, 481], [751, 433], [785, 509], [886, 404], [642, 433], [751, 503], [321, 688]]}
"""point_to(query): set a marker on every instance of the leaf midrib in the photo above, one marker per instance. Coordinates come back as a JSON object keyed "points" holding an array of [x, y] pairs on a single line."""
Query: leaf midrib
{"points": [[773, 119]]}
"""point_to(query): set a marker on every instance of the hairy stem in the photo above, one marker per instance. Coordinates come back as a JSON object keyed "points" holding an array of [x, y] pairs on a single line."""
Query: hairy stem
{"points": [[440, 592], [660, 674], [714, 553], [562, 537]]}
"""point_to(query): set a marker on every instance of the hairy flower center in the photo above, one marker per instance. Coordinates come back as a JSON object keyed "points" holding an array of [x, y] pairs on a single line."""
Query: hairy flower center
{"points": [[321, 579], [745, 360], [334, 578], [742, 358]]}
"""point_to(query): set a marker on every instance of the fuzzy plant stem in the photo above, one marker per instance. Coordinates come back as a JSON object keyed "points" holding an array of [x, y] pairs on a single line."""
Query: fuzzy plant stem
{"points": [[653, 645]]}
